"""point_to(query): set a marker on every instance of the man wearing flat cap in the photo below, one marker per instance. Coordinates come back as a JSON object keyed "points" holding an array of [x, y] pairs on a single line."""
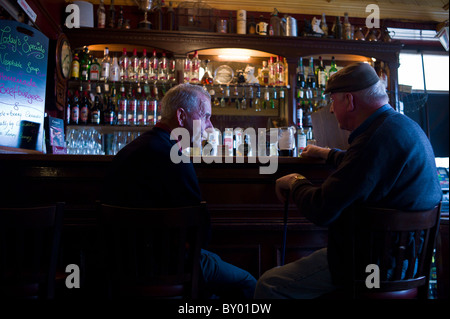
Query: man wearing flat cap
{"points": [[389, 163]]}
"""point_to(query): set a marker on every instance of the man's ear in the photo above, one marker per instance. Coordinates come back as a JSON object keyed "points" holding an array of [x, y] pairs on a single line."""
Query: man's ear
{"points": [[350, 102], [181, 117]]}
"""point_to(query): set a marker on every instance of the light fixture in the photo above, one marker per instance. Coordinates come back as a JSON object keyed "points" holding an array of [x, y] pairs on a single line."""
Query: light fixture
{"points": [[233, 57], [443, 35]]}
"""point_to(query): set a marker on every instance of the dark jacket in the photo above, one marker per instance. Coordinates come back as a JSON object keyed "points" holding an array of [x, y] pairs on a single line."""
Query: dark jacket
{"points": [[390, 163]]}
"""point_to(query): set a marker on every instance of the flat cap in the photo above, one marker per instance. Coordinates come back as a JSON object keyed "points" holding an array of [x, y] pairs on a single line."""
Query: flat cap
{"points": [[354, 77]]}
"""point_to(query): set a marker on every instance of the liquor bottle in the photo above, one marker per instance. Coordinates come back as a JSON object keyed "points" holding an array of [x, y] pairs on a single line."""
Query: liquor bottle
{"points": [[133, 68], [301, 82], [311, 79], [257, 101], [333, 68], [158, 14], [115, 101], [132, 108], [157, 109], [170, 17], [195, 69], [187, 66], [112, 15], [301, 140], [272, 72], [307, 111], [281, 99], [152, 108], [143, 67], [123, 107], [124, 62], [85, 64], [94, 72], [75, 73], [207, 78], [243, 102], [68, 107], [172, 68], [114, 71], [223, 102], [84, 109], [321, 74], [101, 15], [109, 115], [153, 67], [337, 28], [251, 27], [142, 107], [163, 68], [237, 102], [299, 112], [230, 25], [75, 109], [120, 20], [324, 26], [266, 102], [106, 65], [264, 76], [280, 71], [228, 99], [347, 34], [96, 108]]}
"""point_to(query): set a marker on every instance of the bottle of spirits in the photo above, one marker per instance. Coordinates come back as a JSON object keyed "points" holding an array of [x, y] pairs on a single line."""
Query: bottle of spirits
{"points": [[152, 106], [132, 108], [299, 112], [301, 140], [266, 102], [347, 28], [101, 15], [187, 66], [243, 102], [237, 102], [120, 20], [257, 100], [106, 65], [97, 108], [153, 67], [275, 23], [114, 71], [324, 26], [251, 27], [143, 67], [272, 72], [112, 15], [250, 96], [75, 109], [124, 62], [264, 76], [301, 81], [280, 71], [158, 14], [85, 107], [311, 79], [321, 74], [163, 69], [195, 69], [142, 107], [230, 25], [207, 78], [109, 116], [171, 76], [68, 107], [94, 72], [337, 28], [228, 99], [123, 107], [133, 69], [75, 70], [333, 68], [85, 65]]}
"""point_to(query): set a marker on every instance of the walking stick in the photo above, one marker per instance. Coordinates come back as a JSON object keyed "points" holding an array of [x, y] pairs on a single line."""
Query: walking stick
{"points": [[283, 248]]}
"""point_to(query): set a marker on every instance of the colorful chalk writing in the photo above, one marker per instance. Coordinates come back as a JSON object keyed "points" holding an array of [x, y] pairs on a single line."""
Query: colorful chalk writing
{"points": [[23, 67]]}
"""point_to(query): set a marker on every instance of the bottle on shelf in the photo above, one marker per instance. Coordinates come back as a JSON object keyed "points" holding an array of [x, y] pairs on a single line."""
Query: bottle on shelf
{"points": [[251, 27], [266, 102], [75, 69], [337, 28], [264, 74], [300, 105], [321, 74], [237, 102], [250, 97], [68, 107], [153, 67], [347, 34], [101, 15], [123, 107], [230, 25], [273, 98], [163, 68], [143, 67], [275, 23], [158, 14], [114, 71], [133, 67], [324, 26], [75, 109], [228, 99], [132, 108], [84, 109], [109, 115], [124, 62], [280, 72], [152, 108], [311, 78], [243, 102], [97, 107], [195, 69], [95, 70], [157, 104], [120, 19], [171, 17], [106, 65], [333, 68], [85, 64], [172, 75], [272, 72], [207, 78], [301, 140], [187, 66], [112, 16]]}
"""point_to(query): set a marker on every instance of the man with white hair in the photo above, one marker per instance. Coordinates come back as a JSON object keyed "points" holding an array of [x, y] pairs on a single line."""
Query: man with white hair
{"points": [[389, 163], [144, 174]]}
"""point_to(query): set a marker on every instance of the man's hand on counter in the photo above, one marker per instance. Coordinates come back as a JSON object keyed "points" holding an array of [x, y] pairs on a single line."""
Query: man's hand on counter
{"points": [[314, 151]]}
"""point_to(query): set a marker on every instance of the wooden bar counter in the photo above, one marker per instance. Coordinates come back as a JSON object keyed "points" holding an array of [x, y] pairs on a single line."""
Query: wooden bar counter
{"points": [[246, 216]]}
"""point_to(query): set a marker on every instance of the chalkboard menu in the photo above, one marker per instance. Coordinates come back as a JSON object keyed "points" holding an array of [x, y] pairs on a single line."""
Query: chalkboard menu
{"points": [[23, 73]]}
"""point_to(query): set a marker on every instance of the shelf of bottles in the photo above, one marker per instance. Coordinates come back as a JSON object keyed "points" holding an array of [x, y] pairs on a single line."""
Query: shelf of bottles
{"points": [[310, 97]]}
